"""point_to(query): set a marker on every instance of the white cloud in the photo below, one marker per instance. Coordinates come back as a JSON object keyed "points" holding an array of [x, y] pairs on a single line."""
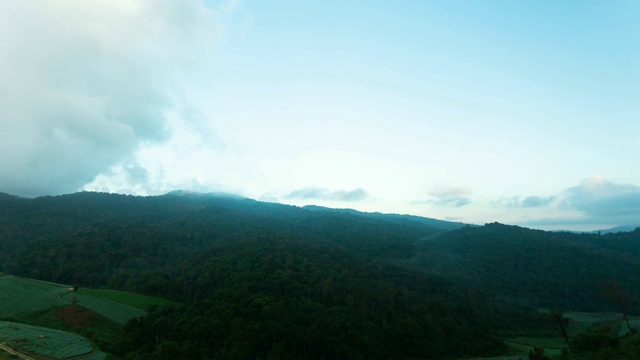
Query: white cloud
{"points": [[600, 198], [596, 203], [85, 83], [527, 202], [312, 193], [448, 197]]}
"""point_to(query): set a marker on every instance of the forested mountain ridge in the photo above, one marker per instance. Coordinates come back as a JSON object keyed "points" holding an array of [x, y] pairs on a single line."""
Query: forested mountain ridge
{"points": [[438, 224], [260, 279], [139, 230], [540, 268]]}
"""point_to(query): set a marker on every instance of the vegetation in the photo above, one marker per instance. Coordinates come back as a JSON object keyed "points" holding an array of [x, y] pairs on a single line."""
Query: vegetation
{"points": [[137, 300], [7, 356], [50, 305], [49, 342], [246, 279], [22, 295], [539, 268], [118, 312], [103, 332], [18, 295]]}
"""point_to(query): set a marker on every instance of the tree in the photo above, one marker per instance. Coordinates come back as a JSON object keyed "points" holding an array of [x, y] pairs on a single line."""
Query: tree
{"points": [[620, 298], [537, 354], [563, 324]]}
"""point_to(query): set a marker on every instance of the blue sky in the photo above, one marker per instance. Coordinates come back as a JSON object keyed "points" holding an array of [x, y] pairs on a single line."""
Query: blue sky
{"points": [[522, 112]]}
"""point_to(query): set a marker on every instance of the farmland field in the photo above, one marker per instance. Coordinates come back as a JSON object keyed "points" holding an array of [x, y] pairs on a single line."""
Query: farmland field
{"points": [[551, 346], [583, 321], [579, 322], [57, 344], [137, 300], [116, 311], [19, 295], [98, 355]]}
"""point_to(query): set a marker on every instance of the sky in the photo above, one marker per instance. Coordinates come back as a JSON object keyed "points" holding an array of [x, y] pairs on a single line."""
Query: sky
{"points": [[520, 112]]}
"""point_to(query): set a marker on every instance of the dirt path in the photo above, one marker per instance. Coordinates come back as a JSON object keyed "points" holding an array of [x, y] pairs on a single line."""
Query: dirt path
{"points": [[13, 352]]}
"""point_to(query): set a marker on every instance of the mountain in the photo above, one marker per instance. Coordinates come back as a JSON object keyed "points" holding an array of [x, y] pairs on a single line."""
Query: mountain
{"points": [[539, 268], [257, 279], [623, 228], [397, 218]]}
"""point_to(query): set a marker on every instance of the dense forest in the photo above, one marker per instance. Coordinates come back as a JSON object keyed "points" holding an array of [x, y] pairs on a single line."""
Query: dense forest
{"points": [[263, 280], [539, 268]]}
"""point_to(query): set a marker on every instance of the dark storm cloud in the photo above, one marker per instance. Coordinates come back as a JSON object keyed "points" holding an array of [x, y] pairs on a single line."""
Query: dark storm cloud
{"points": [[83, 84], [325, 194]]}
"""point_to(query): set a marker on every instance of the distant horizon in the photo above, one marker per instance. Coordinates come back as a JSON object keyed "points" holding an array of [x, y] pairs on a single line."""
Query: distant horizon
{"points": [[524, 112], [631, 226]]}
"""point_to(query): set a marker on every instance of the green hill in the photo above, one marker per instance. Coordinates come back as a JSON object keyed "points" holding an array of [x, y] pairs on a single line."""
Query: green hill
{"points": [[539, 268], [396, 218], [252, 279]]}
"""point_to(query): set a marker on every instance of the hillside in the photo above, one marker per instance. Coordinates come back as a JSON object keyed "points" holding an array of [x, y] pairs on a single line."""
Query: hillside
{"points": [[39, 237], [255, 279], [538, 268], [397, 218]]}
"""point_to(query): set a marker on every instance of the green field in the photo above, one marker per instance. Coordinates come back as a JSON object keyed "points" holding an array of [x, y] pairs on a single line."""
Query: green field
{"points": [[579, 322], [551, 346], [19, 295], [44, 341], [137, 300], [98, 355], [584, 321], [110, 309]]}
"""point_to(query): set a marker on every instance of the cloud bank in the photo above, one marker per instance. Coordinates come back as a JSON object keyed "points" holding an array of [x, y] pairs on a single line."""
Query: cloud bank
{"points": [[596, 201], [329, 195], [85, 83], [599, 198], [448, 197], [527, 202]]}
